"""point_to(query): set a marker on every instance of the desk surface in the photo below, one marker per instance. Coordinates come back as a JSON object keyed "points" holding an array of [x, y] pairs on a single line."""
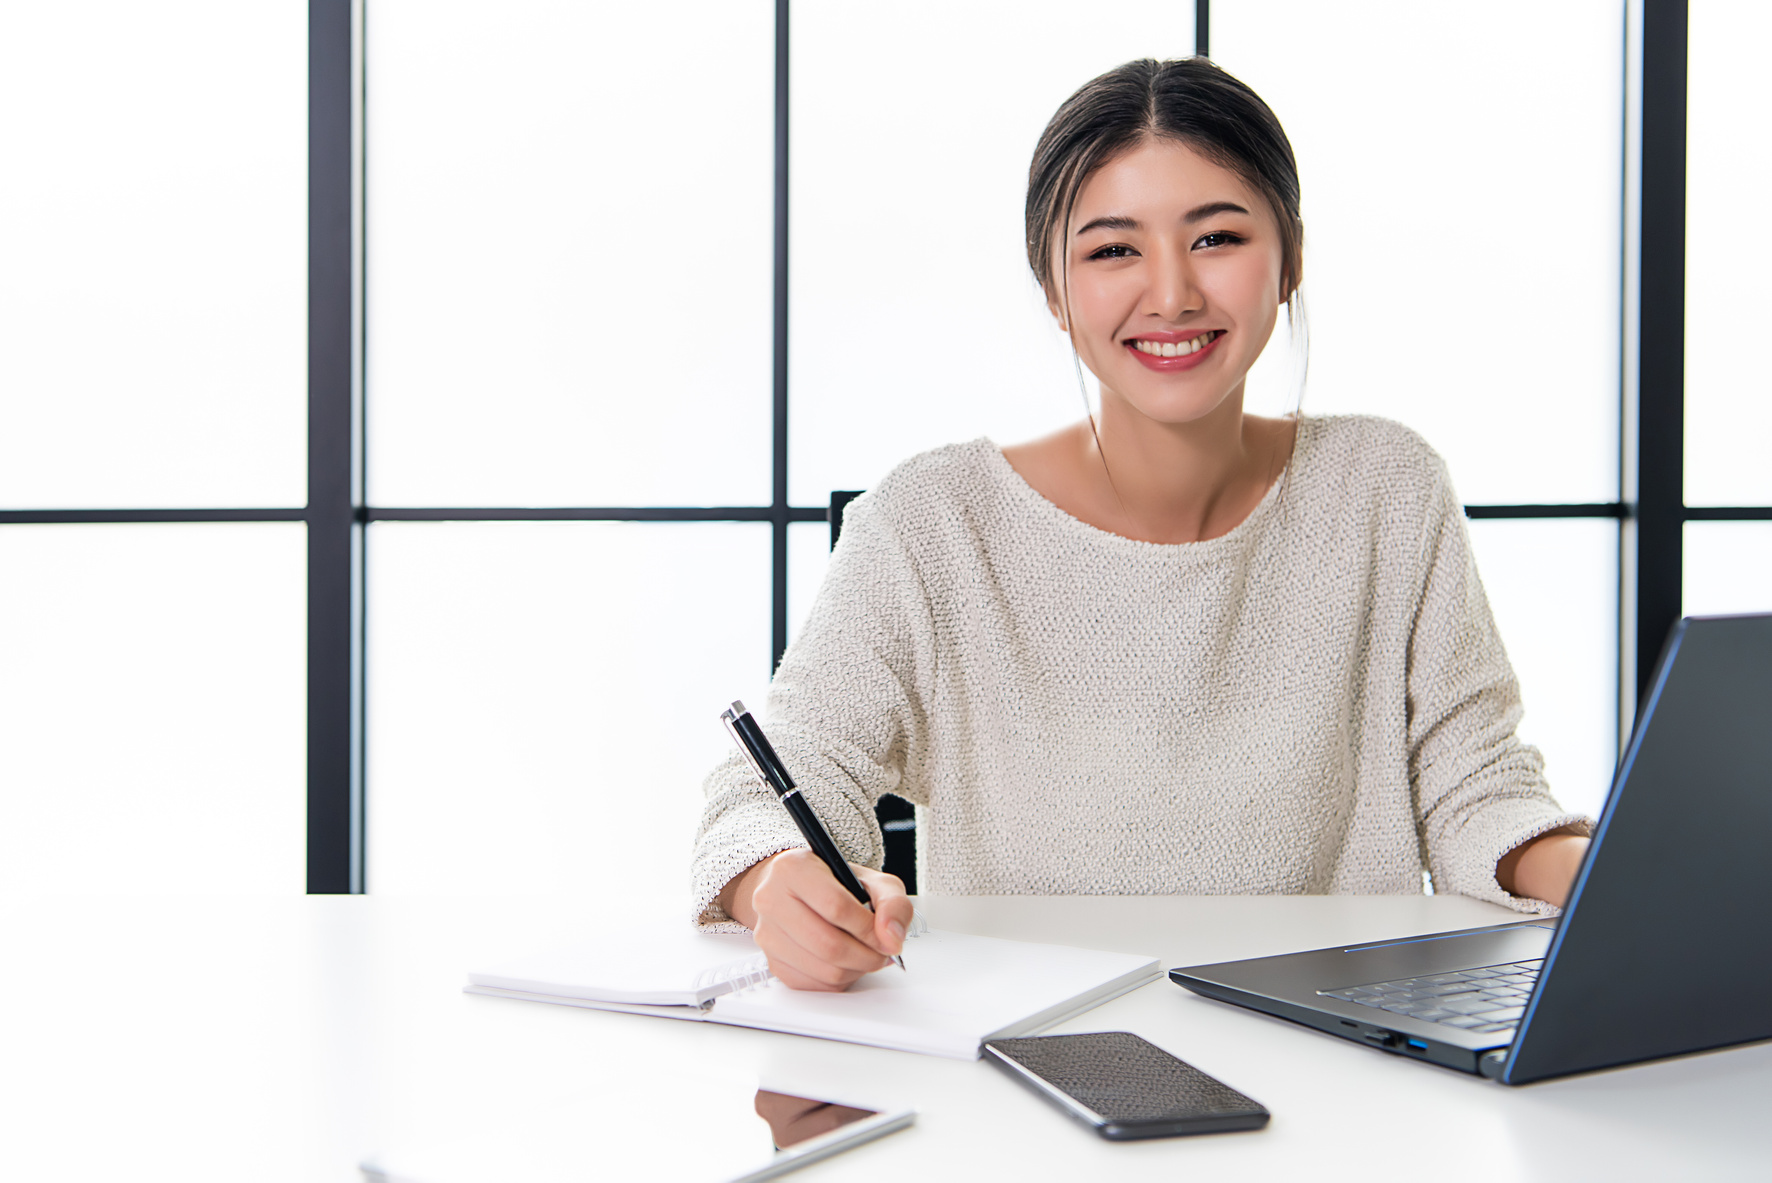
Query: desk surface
{"points": [[294, 1038]]}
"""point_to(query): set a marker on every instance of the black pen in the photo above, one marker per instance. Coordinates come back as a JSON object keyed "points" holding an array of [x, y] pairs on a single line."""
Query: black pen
{"points": [[761, 753]]}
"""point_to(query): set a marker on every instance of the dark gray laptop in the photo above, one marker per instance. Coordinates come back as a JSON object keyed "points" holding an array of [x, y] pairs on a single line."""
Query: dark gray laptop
{"points": [[1666, 945]]}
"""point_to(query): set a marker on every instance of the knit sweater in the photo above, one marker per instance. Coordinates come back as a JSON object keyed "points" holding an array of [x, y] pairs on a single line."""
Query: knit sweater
{"points": [[1315, 702]]}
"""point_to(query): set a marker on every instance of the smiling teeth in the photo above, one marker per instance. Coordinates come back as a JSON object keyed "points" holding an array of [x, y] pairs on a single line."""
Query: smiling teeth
{"points": [[1178, 349]]}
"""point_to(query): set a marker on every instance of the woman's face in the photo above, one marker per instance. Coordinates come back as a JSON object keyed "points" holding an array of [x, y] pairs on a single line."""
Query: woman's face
{"points": [[1174, 281]]}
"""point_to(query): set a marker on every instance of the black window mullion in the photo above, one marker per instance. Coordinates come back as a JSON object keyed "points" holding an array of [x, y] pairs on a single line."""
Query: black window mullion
{"points": [[335, 701], [1660, 405], [779, 512]]}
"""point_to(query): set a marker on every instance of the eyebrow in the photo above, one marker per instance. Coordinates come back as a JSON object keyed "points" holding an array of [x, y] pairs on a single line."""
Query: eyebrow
{"points": [[1198, 214]]}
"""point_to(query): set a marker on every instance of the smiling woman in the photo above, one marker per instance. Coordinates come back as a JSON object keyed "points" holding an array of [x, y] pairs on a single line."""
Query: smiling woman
{"points": [[1174, 648], [1169, 289], [1163, 224]]}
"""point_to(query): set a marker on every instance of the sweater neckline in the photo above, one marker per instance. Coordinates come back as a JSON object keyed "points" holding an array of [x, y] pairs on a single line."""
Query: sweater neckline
{"points": [[1017, 487]]}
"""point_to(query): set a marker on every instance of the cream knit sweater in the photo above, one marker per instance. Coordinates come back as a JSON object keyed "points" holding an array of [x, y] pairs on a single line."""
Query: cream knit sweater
{"points": [[1316, 702]]}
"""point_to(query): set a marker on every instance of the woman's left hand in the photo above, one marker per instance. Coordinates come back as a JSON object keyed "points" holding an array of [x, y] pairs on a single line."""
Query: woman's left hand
{"points": [[1543, 868]]}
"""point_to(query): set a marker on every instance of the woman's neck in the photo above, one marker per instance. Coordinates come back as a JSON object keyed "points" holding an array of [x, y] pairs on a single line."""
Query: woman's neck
{"points": [[1159, 482]]}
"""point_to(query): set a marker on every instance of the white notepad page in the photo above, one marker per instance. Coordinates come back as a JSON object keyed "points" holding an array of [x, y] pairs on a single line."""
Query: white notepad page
{"points": [[958, 990], [649, 967]]}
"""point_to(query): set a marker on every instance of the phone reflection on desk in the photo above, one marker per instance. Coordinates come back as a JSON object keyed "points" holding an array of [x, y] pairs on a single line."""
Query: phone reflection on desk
{"points": [[793, 1120]]}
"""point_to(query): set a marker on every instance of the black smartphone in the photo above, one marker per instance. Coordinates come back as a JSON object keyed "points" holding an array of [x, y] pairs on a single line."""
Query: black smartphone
{"points": [[1124, 1086]]}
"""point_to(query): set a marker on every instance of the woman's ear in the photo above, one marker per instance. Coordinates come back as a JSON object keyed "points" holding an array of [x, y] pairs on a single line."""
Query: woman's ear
{"points": [[1057, 313]]}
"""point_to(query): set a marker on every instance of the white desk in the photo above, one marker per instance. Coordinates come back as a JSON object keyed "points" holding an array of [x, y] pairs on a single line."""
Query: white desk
{"points": [[274, 1039]]}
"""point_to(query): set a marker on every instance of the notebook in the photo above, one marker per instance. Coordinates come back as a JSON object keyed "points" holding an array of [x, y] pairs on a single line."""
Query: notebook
{"points": [[958, 991]]}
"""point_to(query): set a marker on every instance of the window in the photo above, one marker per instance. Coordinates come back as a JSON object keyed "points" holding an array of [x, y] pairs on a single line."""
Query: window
{"points": [[152, 386], [1727, 563], [468, 263]]}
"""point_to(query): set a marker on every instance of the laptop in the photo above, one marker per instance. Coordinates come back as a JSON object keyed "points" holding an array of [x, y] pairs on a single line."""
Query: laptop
{"points": [[1665, 946]]}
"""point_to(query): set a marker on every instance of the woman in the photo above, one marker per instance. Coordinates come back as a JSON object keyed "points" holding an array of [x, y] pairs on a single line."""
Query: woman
{"points": [[1176, 649]]}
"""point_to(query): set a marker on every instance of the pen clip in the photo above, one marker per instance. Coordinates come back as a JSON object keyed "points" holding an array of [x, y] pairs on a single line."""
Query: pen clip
{"points": [[730, 717]]}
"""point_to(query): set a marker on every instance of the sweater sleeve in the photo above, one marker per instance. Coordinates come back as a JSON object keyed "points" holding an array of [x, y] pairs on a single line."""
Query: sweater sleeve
{"points": [[843, 713], [1479, 791]]}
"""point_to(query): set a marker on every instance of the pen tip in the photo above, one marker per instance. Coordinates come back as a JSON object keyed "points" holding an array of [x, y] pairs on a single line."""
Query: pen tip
{"points": [[900, 961]]}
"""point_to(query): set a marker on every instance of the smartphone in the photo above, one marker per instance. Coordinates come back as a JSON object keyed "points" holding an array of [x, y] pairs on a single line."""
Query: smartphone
{"points": [[1125, 1087]]}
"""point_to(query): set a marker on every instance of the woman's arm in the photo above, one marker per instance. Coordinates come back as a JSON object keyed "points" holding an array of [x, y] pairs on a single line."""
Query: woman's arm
{"points": [[844, 714], [1491, 827], [1543, 868]]}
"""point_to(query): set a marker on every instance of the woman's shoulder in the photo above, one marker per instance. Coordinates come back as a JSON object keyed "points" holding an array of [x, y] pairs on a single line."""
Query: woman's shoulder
{"points": [[1368, 454], [940, 484]]}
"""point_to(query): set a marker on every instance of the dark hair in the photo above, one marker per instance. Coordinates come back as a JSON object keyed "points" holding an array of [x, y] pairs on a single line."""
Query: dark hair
{"points": [[1190, 100]]}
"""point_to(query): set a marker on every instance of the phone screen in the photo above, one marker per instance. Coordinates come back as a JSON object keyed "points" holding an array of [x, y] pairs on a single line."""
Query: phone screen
{"points": [[1127, 1086]]}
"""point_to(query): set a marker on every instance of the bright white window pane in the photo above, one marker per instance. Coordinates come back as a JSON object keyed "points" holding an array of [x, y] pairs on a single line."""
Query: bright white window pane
{"points": [[916, 321], [1461, 186], [1728, 568], [1553, 586], [544, 699], [153, 254], [152, 707], [569, 252], [1728, 168]]}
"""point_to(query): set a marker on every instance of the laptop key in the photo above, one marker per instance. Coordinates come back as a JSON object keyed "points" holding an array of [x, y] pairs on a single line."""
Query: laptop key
{"points": [[1462, 1021], [1473, 1007], [1432, 1015], [1442, 989], [1426, 1006], [1505, 1015]]}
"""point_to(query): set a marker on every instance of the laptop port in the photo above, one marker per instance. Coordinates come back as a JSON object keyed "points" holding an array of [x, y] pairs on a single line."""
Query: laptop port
{"points": [[1382, 1038], [1416, 1045]]}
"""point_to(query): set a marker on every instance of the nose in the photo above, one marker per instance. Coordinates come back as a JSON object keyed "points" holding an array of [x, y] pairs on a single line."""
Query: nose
{"points": [[1174, 289]]}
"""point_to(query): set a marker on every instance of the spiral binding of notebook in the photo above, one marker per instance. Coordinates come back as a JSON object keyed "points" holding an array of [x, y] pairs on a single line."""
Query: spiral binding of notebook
{"points": [[735, 975]]}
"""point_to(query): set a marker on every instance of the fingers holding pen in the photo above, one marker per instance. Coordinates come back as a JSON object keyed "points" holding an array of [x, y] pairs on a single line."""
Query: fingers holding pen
{"points": [[892, 915], [816, 934], [810, 925], [883, 927], [804, 968]]}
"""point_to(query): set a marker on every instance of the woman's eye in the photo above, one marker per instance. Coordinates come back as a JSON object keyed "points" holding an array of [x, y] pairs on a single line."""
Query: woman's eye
{"points": [[1116, 251], [1218, 238]]}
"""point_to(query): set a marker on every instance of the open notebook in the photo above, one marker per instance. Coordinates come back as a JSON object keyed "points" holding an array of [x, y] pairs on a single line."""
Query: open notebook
{"points": [[958, 991]]}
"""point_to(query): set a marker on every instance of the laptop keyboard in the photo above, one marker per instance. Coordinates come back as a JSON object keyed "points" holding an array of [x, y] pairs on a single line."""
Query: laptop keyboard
{"points": [[1486, 1001]]}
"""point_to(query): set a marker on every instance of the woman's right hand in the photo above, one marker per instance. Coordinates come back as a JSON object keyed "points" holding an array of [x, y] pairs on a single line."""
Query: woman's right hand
{"points": [[817, 935]]}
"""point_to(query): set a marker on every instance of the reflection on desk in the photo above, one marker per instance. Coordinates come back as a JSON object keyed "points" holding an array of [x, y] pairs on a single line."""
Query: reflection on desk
{"points": [[293, 1039]]}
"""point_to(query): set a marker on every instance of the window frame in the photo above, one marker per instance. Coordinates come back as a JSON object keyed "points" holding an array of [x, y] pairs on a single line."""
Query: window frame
{"points": [[1650, 509]]}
